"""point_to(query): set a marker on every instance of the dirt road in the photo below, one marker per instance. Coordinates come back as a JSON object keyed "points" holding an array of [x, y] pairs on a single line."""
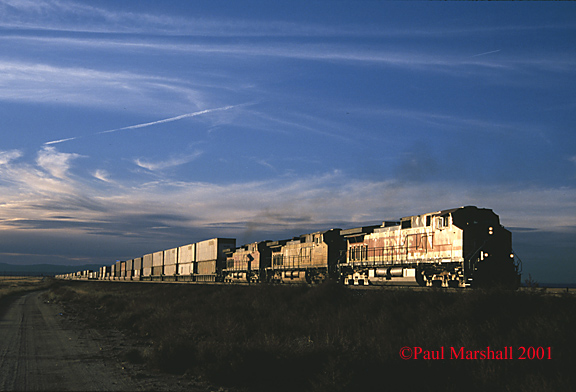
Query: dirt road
{"points": [[37, 352]]}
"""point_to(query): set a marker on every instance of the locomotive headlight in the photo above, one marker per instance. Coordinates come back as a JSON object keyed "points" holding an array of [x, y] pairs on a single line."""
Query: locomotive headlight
{"points": [[490, 230], [511, 255]]}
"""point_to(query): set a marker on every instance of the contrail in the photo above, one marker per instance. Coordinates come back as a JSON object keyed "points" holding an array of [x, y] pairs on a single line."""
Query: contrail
{"points": [[150, 123], [61, 140], [483, 54], [169, 119]]}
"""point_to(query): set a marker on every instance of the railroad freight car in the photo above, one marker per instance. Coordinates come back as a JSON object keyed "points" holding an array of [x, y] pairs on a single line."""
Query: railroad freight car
{"points": [[459, 247], [211, 260], [137, 265], [146, 267], [309, 258], [170, 264], [186, 260], [157, 265]]}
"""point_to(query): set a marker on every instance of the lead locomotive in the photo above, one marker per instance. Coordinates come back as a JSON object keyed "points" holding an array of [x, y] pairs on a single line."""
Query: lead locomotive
{"points": [[459, 247]]}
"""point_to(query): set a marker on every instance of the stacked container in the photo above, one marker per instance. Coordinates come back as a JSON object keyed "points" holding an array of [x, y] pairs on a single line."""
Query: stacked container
{"points": [[129, 269], [210, 258], [118, 270], [137, 265], [170, 262], [147, 266], [122, 270], [186, 259], [158, 263]]}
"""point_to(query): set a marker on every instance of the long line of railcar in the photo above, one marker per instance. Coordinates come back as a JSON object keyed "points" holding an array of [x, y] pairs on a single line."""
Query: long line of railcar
{"points": [[459, 247]]}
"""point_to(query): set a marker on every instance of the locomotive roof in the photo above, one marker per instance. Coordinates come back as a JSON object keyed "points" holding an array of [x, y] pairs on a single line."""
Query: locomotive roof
{"points": [[358, 230], [446, 212], [435, 213]]}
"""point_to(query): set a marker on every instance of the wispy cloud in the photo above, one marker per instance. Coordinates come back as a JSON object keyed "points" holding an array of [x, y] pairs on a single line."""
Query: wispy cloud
{"points": [[175, 161], [49, 175], [33, 82], [81, 17], [428, 60], [74, 16], [54, 162], [485, 53], [286, 203], [102, 175], [7, 156]]}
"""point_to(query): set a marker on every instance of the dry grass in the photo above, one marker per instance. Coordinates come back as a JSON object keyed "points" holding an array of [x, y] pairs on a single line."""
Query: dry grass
{"points": [[329, 338], [15, 284]]}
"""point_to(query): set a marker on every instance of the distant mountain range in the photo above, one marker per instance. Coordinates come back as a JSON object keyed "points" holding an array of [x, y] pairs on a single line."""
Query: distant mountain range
{"points": [[43, 269]]}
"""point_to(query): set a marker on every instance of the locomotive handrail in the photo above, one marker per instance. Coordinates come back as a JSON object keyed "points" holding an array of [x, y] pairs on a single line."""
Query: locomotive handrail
{"points": [[518, 264], [475, 252]]}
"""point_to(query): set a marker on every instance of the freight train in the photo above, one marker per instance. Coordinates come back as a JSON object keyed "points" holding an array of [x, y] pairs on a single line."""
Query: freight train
{"points": [[459, 247]]}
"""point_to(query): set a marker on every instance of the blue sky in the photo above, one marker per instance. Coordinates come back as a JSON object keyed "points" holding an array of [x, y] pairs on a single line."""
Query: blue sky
{"points": [[134, 126]]}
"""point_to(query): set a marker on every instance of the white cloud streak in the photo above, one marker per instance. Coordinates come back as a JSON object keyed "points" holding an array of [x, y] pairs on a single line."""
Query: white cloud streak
{"points": [[176, 161], [443, 62], [166, 120], [149, 124], [80, 17], [485, 53], [77, 86], [102, 175]]}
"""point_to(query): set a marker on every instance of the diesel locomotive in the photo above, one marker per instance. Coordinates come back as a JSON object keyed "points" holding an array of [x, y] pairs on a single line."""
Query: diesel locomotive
{"points": [[459, 247]]}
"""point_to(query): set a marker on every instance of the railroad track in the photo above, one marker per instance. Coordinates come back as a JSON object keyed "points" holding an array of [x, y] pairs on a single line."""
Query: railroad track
{"points": [[413, 287]]}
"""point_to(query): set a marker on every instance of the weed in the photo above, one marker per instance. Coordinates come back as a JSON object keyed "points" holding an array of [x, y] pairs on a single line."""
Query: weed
{"points": [[332, 338]]}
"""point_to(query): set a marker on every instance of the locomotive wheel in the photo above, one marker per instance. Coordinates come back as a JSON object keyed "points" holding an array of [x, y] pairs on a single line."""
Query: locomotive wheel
{"points": [[453, 283], [420, 278]]}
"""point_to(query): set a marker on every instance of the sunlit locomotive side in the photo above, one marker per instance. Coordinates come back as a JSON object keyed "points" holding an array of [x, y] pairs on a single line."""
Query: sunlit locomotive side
{"points": [[460, 247], [309, 258], [248, 263]]}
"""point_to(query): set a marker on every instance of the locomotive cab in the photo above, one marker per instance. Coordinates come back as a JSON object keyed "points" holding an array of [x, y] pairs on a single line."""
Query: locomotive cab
{"points": [[487, 248]]}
